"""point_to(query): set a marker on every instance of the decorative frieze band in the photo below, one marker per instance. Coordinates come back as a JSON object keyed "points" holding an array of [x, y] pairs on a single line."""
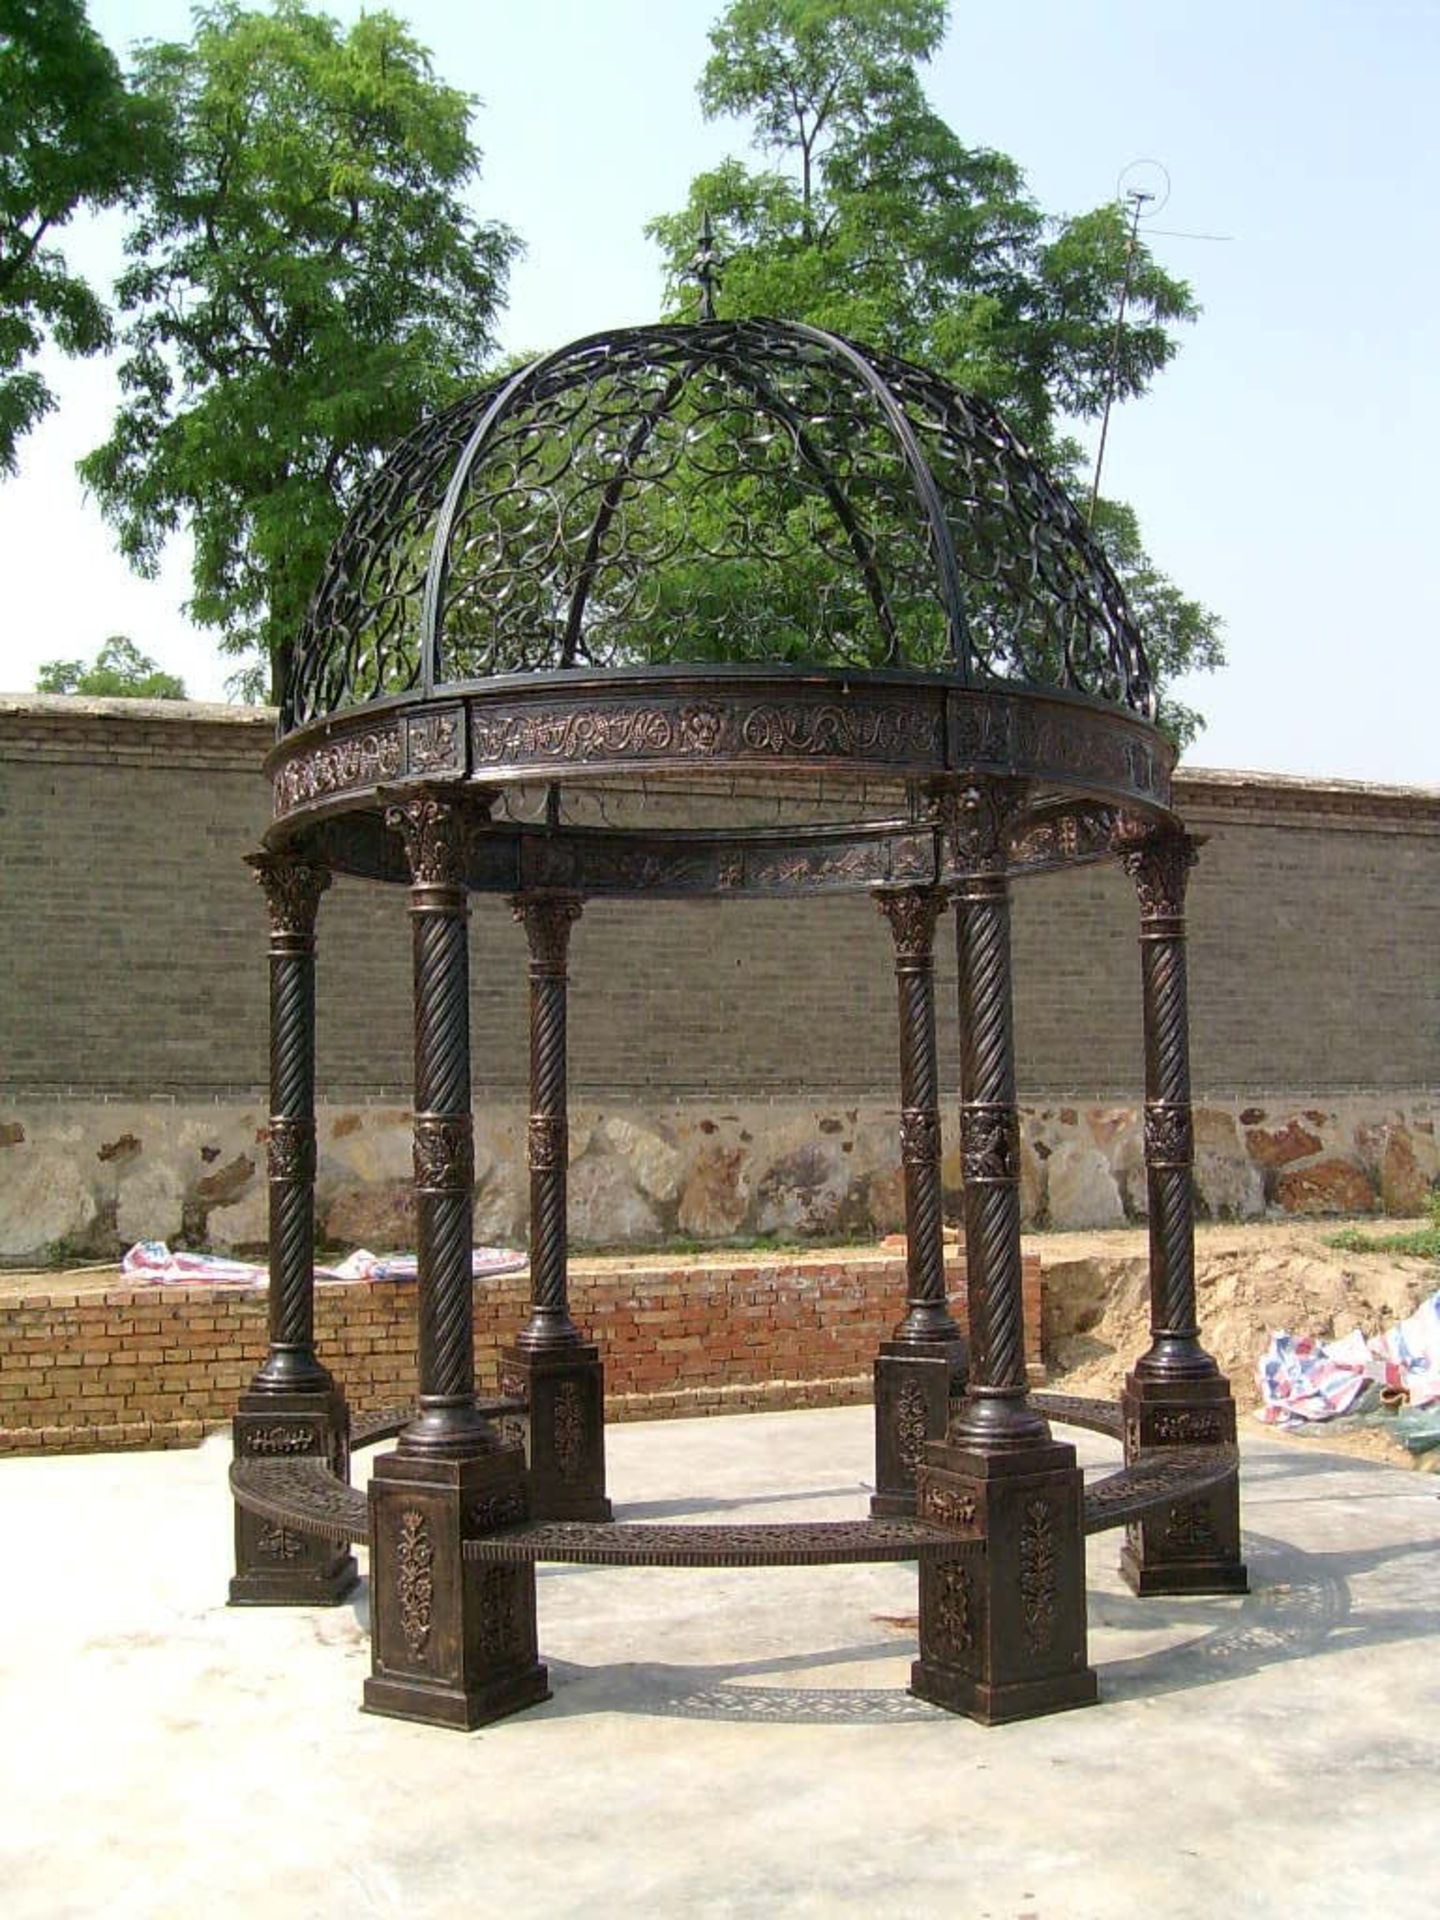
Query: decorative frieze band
{"points": [[338, 766], [435, 742], [872, 728], [1082, 831], [668, 718]]}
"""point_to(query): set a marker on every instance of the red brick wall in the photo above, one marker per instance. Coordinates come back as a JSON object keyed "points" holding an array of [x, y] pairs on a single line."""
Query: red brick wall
{"points": [[162, 1366]]}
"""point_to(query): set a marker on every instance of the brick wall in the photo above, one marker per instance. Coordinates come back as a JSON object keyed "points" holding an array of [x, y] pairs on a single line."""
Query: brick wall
{"points": [[132, 945], [93, 1367]]}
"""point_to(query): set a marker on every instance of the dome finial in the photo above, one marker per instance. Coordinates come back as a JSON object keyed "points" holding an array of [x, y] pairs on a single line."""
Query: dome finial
{"points": [[705, 268]]}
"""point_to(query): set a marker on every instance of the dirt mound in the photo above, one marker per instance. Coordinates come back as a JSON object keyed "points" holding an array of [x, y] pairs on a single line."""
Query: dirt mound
{"points": [[1250, 1281]]}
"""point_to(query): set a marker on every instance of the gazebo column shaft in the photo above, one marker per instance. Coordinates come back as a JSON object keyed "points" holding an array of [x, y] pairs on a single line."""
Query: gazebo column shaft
{"points": [[292, 1406], [922, 1365], [1002, 1624], [453, 1642], [551, 1365], [1176, 1395]]}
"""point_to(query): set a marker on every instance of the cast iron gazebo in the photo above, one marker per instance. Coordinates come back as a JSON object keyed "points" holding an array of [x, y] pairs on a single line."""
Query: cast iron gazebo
{"points": [[738, 610]]}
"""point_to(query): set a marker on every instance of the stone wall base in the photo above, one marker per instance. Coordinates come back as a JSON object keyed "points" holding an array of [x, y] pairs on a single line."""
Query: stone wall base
{"points": [[86, 1178]]}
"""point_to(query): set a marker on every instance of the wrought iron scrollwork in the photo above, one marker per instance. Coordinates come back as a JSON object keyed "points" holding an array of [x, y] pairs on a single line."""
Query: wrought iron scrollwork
{"points": [[753, 491]]}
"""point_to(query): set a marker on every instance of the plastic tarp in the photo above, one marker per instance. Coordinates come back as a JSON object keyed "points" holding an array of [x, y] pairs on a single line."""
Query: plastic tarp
{"points": [[1304, 1380], [152, 1262]]}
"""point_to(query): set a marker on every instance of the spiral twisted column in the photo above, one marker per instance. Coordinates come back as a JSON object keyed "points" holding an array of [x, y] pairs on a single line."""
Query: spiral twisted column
{"points": [[912, 913], [436, 829], [292, 1395], [1159, 863], [547, 919], [996, 1413], [293, 886]]}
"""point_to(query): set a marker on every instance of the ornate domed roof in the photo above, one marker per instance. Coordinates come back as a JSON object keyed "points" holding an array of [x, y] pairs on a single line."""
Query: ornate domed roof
{"points": [[753, 492]]}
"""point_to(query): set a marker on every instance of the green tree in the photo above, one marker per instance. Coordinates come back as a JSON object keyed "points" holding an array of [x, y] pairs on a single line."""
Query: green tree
{"points": [[118, 672], [306, 282], [873, 219], [71, 135]]}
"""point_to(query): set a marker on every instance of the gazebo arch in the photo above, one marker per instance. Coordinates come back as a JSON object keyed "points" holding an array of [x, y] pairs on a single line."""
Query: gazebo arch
{"points": [[734, 610]]}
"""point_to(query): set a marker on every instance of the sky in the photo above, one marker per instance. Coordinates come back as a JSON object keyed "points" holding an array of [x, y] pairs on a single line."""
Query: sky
{"points": [[1283, 467]]}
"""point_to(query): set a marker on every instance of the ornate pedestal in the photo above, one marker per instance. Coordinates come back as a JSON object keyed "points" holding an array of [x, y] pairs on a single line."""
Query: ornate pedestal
{"points": [[278, 1566], [914, 1384], [564, 1388], [1193, 1545], [452, 1642], [1002, 1624]]}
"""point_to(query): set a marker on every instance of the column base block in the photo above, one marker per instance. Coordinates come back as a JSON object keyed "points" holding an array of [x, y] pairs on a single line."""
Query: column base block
{"points": [[276, 1565], [326, 1585], [993, 1706], [1002, 1621], [453, 1641], [1191, 1545], [1214, 1576], [914, 1383], [455, 1706], [564, 1389]]}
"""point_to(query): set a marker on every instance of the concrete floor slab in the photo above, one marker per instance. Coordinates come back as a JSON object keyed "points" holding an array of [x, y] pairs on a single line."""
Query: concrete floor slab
{"points": [[719, 1742]]}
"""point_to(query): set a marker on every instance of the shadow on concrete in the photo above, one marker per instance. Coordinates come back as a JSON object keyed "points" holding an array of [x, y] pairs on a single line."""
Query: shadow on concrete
{"points": [[718, 1692], [1302, 1607]]}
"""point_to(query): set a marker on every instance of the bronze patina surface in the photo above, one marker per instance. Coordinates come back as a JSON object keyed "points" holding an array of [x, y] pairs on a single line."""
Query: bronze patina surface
{"points": [[738, 610]]}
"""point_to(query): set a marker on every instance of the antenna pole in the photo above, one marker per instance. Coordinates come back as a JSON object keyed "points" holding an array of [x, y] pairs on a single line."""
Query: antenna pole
{"points": [[1138, 200]]}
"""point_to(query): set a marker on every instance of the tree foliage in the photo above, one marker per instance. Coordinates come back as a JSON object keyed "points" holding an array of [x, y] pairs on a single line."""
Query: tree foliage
{"points": [[71, 135], [306, 281], [119, 671], [872, 218]]}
